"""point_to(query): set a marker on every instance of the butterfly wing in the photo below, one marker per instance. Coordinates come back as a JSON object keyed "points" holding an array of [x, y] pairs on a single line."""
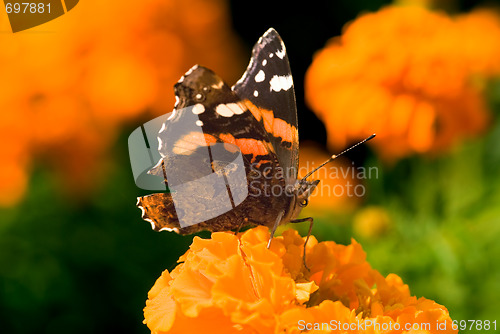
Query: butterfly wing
{"points": [[208, 112], [266, 88], [163, 215], [200, 143]]}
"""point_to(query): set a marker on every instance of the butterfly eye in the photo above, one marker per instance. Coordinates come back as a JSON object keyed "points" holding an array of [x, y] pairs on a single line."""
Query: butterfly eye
{"points": [[199, 97], [304, 202]]}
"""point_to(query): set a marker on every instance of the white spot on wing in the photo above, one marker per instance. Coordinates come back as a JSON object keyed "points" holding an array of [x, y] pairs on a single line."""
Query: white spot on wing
{"points": [[160, 143], [144, 213], [163, 126], [271, 55], [224, 110], [198, 109], [261, 76], [279, 83], [239, 82], [236, 108], [158, 164], [176, 101], [172, 116], [218, 85], [170, 229], [190, 70], [268, 31], [250, 63], [199, 123], [264, 62], [151, 222], [255, 93], [281, 53]]}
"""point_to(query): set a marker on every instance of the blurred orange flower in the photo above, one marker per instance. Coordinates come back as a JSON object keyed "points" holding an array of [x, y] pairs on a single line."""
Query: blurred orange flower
{"points": [[413, 76], [372, 222], [234, 284], [68, 86], [340, 188]]}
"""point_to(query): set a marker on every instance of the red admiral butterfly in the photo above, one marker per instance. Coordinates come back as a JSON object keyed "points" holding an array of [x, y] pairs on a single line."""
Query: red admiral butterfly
{"points": [[230, 154]]}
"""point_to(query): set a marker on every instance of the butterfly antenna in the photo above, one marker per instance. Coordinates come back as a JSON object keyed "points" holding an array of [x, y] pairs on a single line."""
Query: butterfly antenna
{"points": [[333, 157]]}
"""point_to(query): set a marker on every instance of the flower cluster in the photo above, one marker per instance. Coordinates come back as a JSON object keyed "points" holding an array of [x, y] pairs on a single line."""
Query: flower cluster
{"points": [[234, 284], [413, 76], [69, 84]]}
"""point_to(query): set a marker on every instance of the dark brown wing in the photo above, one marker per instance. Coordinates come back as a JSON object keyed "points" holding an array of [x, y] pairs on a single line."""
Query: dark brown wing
{"points": [[209, 112], [159, 210], [265, 199], [266, 88], [209, 115]]}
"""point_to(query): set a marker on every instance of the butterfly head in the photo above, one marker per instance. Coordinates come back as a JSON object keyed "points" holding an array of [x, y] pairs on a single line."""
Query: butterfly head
{"points": [[302, 190], [199, 85]]}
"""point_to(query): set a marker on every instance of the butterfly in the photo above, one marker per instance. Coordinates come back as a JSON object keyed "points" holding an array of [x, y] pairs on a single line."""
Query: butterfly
{"points": [[229, 155]]}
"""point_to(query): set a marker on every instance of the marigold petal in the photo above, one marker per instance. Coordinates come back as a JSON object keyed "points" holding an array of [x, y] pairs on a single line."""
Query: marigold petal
{"points": [[304, 290], [161, 283], [160, 312], [192, 290]]}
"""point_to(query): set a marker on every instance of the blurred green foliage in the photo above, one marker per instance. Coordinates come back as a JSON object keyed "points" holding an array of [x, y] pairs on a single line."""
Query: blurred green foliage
{"points": [[80, 267]]}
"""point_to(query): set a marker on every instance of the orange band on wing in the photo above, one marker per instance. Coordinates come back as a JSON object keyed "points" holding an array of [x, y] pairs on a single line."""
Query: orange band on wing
{"points": [[253, 109], [260, 113], [227, 138], [246, 145], [252, 146], [284, 130], [209, 139], [276, 126]]}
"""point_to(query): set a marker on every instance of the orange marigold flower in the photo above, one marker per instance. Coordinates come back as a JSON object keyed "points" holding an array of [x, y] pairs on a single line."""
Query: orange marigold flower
{"points": [[411, 75], [67, 86], [234, 284]]}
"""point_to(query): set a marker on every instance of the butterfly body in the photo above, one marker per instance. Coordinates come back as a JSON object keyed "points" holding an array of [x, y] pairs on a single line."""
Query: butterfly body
{"points": [[212, 126]]}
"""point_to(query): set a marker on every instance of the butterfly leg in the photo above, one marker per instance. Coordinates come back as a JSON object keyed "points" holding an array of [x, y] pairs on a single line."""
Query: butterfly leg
{"points": [[244, 222], [311, 223], [275, 226]]}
